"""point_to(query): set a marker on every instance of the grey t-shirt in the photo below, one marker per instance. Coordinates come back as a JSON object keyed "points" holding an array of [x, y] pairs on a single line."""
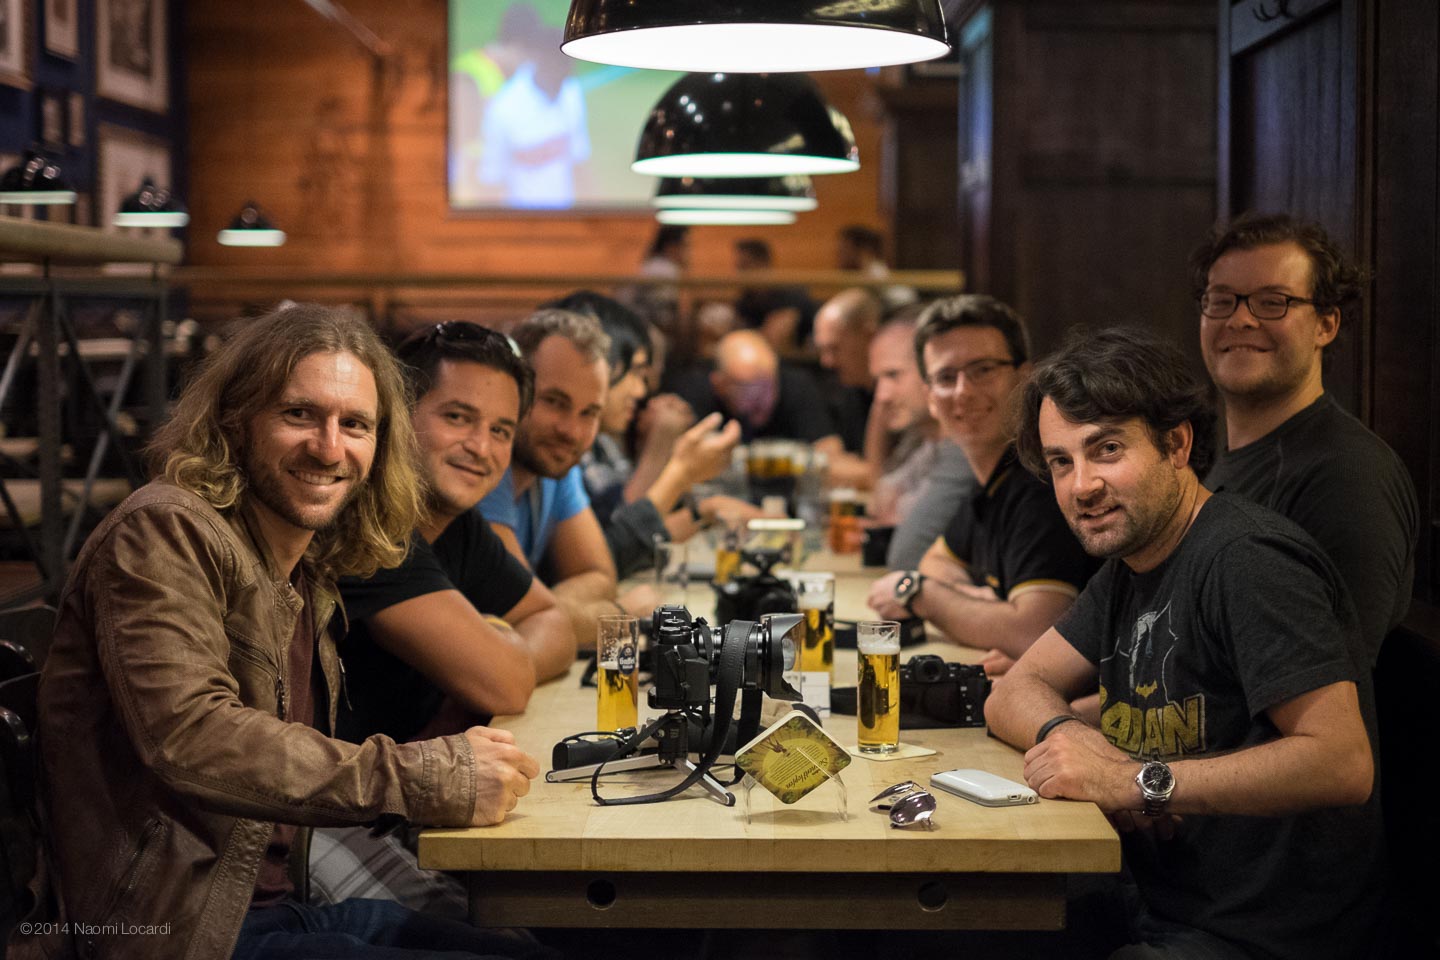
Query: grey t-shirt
{"points": [[1246, 614], [949, 483]]}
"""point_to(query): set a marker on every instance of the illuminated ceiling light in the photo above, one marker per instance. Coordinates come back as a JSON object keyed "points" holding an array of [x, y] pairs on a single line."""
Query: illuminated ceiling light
{"points": [[745, 193], [35, 181], [719, 217], [744, 125], [151, 206], [755, 36], [251, 229]]}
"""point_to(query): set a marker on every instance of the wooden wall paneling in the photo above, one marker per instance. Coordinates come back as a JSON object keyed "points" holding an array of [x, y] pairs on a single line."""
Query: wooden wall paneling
{"points": [[1295, 146], [920, 193], [1405, 376], [289, 111]]}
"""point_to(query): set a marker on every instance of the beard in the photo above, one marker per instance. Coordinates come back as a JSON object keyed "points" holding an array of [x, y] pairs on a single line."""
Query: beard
{"points": [[265, 484], [1141, 520], [541, 462]]}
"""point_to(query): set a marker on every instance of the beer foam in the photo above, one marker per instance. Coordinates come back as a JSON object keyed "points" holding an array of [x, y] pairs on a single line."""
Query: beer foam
{"points": [[878, 645]]}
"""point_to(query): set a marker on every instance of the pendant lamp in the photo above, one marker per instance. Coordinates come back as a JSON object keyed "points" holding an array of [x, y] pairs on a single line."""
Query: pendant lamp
{"points": [[755, 36], [36, 180], [796, 194], [151, 206], [744, 125], [251, 228], [722, 217]]}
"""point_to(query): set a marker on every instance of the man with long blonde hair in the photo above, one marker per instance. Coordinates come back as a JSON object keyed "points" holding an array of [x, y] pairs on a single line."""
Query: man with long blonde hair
{"points": [[193, 678]]}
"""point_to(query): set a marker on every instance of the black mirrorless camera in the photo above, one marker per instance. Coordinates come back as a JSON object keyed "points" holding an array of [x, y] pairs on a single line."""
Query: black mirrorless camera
{"points": [[954, 693], [750, 598]]}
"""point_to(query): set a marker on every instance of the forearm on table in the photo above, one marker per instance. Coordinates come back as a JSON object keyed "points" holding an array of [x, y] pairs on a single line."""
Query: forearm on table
{"points": [[984, 624], [1020, 704], [549, 637]]}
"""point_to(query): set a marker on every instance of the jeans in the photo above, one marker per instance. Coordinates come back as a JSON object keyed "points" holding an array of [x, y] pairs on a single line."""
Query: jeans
{"points": [[372, 930]]}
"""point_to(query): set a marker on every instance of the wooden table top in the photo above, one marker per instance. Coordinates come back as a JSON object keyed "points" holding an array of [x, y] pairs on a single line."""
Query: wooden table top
{"points": [[558, 827]]}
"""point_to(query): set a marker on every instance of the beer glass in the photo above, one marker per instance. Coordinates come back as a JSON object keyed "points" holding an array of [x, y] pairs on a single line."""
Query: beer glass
{"points": [[730, 536], [845, 526], [672, 573], [815, 599], [878, 687], [617, 656]]}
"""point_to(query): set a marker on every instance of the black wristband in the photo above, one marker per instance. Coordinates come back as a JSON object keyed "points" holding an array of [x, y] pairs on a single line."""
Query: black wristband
{"points": [[1051, 724]]}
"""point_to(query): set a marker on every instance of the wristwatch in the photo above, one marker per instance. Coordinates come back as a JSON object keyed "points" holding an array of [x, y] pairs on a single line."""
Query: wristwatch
{"points": [[1156, 782], [908, 587]]}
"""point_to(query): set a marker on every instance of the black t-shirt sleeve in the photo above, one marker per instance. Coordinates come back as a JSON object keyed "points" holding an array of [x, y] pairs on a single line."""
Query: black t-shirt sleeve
{"points": [[420, 573], [1088, 623], [489, 576], [802, 413], [1272, 603], [1039, 548]]}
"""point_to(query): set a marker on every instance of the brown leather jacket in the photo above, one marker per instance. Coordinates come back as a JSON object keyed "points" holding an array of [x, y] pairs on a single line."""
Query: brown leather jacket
{"points": [[165, 749]]}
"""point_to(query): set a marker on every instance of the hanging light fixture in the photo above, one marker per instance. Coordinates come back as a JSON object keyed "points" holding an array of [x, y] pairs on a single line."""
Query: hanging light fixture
{"points": [[151, 206], [698, 217], [796, 194], [251, 228], [744, 125], [755, 36], [35, 180]]}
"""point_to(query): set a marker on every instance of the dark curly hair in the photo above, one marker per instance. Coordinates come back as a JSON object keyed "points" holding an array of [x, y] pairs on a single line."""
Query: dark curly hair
{"points": [[1336, 282], [1111, 376]]}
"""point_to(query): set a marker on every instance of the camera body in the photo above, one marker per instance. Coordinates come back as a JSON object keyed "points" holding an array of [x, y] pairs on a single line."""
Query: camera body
{"points": [[750, 598], [952, 693], [687, 656]]}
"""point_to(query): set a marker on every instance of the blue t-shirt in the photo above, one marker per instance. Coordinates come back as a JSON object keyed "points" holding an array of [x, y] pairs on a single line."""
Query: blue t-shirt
{"points": [[534, 515]]}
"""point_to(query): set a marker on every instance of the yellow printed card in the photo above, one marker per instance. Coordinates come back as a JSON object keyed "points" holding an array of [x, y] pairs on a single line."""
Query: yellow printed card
{"points": [[792, 757]]}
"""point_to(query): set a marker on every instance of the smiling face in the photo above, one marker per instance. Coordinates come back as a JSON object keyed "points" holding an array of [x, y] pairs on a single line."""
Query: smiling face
{"points": [[570, 392], [1118, 491], [465, 425], [307, 454], [972, 413], [1260, 361]]}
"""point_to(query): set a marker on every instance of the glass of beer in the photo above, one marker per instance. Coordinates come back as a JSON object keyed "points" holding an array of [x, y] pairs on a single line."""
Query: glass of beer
{"points": [[846, 530], [815, 599], [730, 536], [617, 653], [878, 686], [672, 572]]}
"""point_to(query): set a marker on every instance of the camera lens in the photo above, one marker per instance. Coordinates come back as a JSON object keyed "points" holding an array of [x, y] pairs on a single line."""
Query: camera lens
{"points": [[927, 668]]}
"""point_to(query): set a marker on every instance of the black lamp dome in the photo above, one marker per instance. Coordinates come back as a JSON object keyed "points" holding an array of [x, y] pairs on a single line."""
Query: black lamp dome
{"points": [[36, 179], [151, 206], [744, 125]]}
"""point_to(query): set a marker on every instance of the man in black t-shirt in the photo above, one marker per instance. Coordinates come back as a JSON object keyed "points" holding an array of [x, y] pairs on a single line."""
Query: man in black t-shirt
{"points": [[461, 623], [1235, 750], [1271, 292], [1007, 566]]}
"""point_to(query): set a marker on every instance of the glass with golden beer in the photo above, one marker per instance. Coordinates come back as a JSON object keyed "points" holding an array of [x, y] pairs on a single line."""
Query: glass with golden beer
{"points": [[730, 537], [878, 686], [815, 599], [617, 653]]}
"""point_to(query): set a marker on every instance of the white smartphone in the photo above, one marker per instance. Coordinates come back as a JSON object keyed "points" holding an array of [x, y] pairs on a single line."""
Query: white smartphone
{"points": [[984, 788]]}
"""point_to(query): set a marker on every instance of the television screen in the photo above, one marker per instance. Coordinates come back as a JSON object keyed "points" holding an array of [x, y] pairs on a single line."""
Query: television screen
{"points": [[533, 129]]}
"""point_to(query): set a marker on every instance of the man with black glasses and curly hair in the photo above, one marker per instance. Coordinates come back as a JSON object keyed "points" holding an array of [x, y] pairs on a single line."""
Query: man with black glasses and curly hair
{"points": [[1271, 291]]}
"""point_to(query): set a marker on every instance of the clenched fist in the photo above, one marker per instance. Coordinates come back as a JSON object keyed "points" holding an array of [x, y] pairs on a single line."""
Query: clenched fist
{"points": [[502, 774]]}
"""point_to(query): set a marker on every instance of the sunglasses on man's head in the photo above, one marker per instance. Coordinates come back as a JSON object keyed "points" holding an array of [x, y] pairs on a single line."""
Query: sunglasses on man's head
{"points": [[458, 331]]}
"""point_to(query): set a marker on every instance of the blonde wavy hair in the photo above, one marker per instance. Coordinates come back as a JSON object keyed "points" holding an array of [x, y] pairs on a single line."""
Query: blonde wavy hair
{"points": [[201, 446]]}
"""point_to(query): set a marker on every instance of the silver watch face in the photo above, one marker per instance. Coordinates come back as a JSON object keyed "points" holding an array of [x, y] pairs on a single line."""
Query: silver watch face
{"points": [[1156, 779]]}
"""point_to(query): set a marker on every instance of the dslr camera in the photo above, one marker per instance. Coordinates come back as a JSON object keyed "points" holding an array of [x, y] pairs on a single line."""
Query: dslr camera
{"points": [[952, 693], [751, 597]]}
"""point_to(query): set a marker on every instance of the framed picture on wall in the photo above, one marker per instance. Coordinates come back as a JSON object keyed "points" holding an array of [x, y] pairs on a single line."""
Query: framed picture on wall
{"points": [[76, 117], [62, 28], [15, 43], [130, 60], [125, 158], [52, 120]]}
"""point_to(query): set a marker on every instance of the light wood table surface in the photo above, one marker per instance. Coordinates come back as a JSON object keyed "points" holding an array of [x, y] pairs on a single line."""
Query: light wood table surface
{"points": [[559, 860]]}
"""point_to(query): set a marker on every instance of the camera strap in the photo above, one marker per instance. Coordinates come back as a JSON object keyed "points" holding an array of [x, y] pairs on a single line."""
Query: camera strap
{"points": [[728, 675]]}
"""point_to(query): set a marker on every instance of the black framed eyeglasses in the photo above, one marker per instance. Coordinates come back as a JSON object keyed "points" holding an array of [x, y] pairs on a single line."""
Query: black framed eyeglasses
{"points": [[1266, 305], [976, 372]]}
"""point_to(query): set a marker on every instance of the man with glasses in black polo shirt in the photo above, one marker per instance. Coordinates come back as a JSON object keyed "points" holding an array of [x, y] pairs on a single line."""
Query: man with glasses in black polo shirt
{"points": [[1271, 290], [1007, 565]]}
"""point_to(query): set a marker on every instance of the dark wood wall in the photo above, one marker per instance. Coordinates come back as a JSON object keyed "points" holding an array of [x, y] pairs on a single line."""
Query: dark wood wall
{"points": [[350, 158], [1087, 159], [1328, 110]]}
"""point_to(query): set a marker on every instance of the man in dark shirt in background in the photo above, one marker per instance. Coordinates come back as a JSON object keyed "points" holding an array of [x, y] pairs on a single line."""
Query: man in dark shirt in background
{"points": [[1271, 290]]}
